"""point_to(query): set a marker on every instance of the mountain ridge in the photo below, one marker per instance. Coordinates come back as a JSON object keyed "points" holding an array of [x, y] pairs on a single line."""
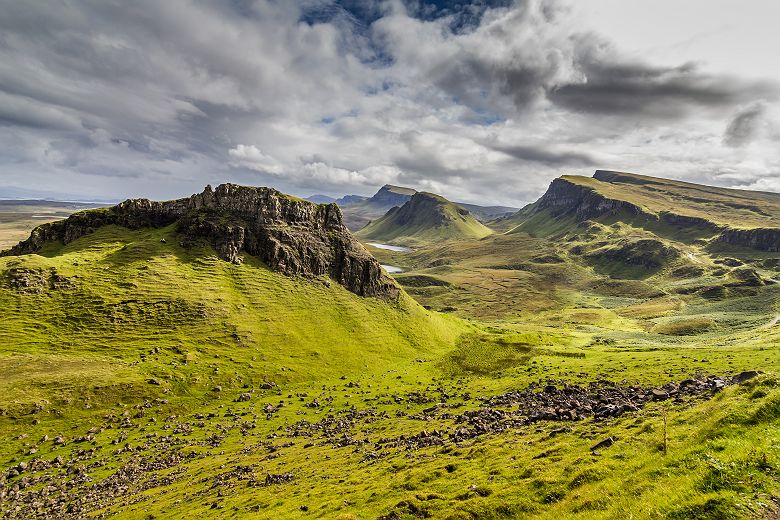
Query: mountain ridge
{"points": [[292, 236], [731, 218]]}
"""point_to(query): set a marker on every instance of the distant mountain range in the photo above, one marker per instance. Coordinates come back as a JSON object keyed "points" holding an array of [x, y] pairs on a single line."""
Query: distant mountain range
{"points": [[359, 211]]}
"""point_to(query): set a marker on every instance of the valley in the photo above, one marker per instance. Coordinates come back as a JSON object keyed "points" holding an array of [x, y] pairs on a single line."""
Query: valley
{"points": [[610, 351]]}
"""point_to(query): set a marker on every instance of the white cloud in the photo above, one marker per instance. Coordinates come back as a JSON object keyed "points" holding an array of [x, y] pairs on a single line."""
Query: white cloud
{"points": [[251, 157], [159, 98]]}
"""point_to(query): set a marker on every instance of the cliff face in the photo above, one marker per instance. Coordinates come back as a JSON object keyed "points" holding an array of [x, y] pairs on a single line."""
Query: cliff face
{"points": [[291, 236], [389, 196], [762, 239], [585, 203]]}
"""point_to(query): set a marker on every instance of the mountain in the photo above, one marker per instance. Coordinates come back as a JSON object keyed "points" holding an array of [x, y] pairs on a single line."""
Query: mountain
{"points": [[321, 199], [721, 217], [237, 354], [342, 201], [350, 199], [425, 217], [359, 211], [487, 213]]}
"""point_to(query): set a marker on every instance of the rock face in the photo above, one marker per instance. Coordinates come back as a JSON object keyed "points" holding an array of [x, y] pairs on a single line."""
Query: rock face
{"points": [[762, 239], [292, 236], [564, 196], [389, 196]]}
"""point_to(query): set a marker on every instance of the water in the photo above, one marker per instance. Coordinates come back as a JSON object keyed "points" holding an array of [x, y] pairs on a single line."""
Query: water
{"points": [[397, 249], [392, 269]]}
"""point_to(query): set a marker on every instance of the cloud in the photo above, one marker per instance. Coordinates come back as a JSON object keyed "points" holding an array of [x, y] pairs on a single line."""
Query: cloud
{"points": [[635, 89], [742, 129], [480, 100], [251, 157], [540, 154]]}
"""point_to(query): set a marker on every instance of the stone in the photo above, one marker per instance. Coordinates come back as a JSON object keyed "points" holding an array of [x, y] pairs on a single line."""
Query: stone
{"points": [[244, 397], [745, 376], [606, 443], [659, 394]]}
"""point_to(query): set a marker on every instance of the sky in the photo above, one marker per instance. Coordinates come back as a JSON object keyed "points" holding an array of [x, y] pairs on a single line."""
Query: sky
{"points": [[482, 101]]}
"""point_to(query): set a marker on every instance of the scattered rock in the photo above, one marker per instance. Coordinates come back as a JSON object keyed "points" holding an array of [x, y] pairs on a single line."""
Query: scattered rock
{"points": [[745, 376], [606, 443]]}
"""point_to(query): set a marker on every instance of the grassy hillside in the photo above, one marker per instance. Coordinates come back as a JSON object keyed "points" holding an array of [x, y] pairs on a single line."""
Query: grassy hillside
{"points": [[740, 208], [115, 294], [425, 218], [160, 382], [571, 375]]}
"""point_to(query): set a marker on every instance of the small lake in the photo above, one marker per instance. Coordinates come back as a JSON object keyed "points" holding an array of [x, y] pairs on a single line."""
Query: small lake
{"points": [[392, 269], [397, 249]]}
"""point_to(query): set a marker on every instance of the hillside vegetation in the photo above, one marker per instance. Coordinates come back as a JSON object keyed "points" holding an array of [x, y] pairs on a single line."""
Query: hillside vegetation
{"points": [[425, 218], [589, 365]]}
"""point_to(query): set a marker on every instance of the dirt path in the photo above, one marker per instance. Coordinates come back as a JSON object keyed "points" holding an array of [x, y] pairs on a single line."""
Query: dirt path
{"points": [[774, 321]]}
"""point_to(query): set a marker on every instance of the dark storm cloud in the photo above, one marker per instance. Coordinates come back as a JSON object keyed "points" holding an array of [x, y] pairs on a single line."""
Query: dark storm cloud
{"points": [[539, 154], [744, 127], [636, 89]]}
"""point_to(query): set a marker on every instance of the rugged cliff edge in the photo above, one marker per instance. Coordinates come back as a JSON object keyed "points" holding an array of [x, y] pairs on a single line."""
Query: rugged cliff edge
{"points": [[761, 239], [291, 236], [722, 216], [585, 203]]}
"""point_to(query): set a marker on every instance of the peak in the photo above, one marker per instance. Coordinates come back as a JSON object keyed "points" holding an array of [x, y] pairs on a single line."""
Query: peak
{"points": [[429, 196], [290, 235], [399, 190], [425, 217]]}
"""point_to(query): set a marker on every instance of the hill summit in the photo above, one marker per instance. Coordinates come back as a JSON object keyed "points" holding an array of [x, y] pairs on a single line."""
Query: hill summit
{"points": [[290, 235], [425, 217]]}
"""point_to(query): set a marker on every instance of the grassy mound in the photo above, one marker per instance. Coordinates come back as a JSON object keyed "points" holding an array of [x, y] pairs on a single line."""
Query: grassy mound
{"points": [[426, 218], [89, 314]]}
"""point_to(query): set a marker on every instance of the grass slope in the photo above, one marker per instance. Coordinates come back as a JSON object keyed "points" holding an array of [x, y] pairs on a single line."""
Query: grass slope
{"points": [[118, 341], [425, 218]]}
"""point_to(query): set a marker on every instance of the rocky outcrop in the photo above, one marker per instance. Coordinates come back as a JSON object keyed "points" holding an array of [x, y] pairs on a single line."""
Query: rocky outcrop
{"points": [[389, 196], [290, 235], [762, 239], [587, 203], [584, 202]]}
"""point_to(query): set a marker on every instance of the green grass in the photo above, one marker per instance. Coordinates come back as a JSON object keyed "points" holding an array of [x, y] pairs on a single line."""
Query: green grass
{"points": [[143, 331], [425, 218]]}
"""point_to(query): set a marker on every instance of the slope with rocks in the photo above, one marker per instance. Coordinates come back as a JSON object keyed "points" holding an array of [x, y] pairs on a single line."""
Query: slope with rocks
{"points": [[292, 236], [425, 218]]}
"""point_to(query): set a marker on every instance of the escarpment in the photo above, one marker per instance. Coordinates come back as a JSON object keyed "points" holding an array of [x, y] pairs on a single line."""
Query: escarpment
{"points": [[585, 203], [290, 235], [761, 239]]}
